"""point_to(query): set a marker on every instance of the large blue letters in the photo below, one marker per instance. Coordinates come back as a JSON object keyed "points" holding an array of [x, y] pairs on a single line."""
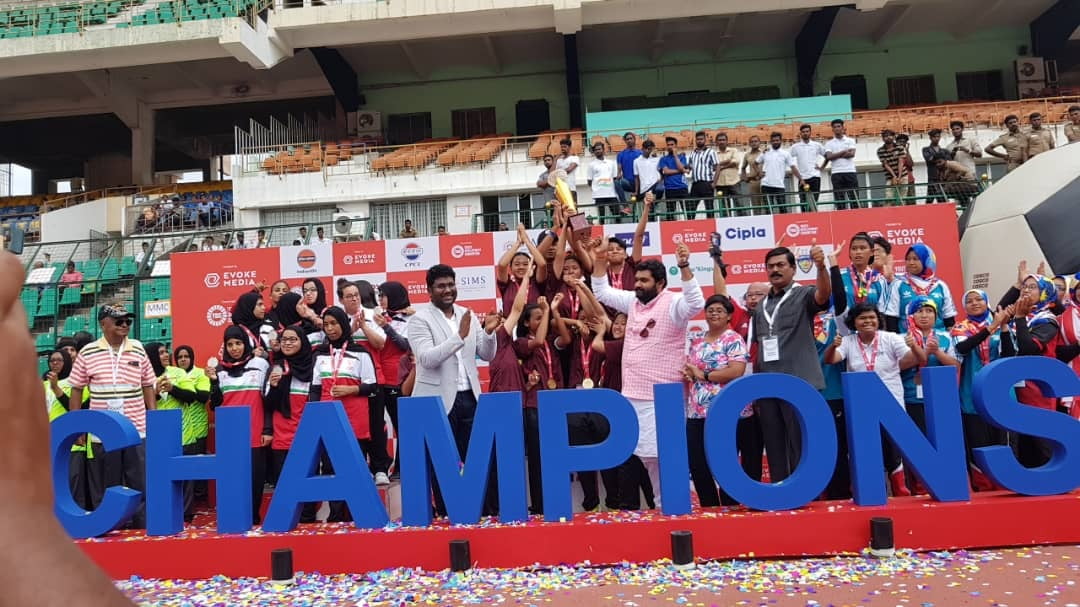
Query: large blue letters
{"points": [[870, 407], [560, 459], [118, 503], [230, 467], [818, 459], [324, 424], [992, 393], [498, 425]]}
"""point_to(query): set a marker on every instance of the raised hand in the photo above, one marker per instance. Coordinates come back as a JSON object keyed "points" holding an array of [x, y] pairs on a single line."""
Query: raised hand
{"points": [[682, 253], [834, 256], [555, 301], [491, 321], [1021, 272], [543, 303], [1001, 316], [1023, 307], [466, 324], [837, 341], [910, 341], [1042, 271], [817, 254]]}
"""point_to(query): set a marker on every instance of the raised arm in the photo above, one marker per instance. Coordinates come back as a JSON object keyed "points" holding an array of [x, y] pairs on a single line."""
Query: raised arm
{"points": [[823, 282], [642, 224], [564, 339], [519, 303], [614, 298], [502, 270], [537, 257]]}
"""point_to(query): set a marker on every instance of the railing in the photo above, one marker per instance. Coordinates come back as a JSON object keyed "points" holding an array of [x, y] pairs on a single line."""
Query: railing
{"points": [[29, 19], [961, 193], [167, 216]]}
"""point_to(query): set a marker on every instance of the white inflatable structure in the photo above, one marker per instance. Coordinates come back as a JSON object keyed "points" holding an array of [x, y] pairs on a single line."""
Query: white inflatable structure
{"points": [[1032, 214]]}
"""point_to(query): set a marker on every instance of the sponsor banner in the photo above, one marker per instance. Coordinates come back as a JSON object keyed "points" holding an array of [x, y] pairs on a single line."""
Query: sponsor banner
{"points": [[157, 309], [802, 229], [360, 257], [467, 250], [306, 261], [375, 279], [415, 284], [650, 243], [411, 254], [700, 264], [694, 234], [475, 283], [746, 233], [745, 267]]}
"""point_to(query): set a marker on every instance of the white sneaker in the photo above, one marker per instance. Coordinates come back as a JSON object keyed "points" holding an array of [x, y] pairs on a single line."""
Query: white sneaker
{"points": [[381, 479]]}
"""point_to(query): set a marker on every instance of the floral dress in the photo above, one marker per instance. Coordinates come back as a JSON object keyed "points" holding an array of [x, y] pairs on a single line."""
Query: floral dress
{"points": [[710, 356]]}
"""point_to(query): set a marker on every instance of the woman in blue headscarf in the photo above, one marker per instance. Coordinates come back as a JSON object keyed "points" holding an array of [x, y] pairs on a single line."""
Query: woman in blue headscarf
{"points": [[978, 343], [1033, 331], [920, 281]]}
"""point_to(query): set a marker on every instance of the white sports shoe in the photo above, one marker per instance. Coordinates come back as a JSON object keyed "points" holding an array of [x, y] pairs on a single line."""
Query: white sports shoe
{"points": [[381, 479]]}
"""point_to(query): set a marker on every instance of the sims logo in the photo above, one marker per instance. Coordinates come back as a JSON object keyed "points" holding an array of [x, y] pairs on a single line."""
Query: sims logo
{"points": [[412, 251]]}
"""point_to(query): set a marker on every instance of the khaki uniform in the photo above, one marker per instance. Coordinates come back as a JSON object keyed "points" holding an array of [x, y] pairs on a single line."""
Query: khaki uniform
{"points": [[1015, 148], [1039, 141], [1072, 132]]}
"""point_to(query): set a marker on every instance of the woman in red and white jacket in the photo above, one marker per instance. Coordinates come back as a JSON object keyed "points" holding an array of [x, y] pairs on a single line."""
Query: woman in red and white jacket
{"points": [[240, 381], [344, 371]]}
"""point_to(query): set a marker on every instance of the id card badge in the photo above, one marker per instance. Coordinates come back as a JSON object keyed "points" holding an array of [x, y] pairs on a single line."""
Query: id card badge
{"points": [[116, 404], [918, 391], [770, 349]]}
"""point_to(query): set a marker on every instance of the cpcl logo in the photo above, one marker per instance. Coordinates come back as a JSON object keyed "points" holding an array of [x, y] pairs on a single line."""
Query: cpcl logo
{"points": [[412, 251], [212, 280], [457, 251], [744, 233], [217, 315]]}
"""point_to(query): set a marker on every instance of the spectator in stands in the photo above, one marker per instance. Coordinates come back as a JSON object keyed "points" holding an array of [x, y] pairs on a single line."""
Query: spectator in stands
{"points": [[238, 242], [775, 162], [806, 152], [503, 227], [963, 150], [751, 171], [144, 255], [408, 231], [542, 181], [673, 167], [726, 180], [907, 190], [1014, 142], [626, 179], [957, 181], [647, 173], [840, 150], [930, 153], [71, 277], [601, 175], [261, 239], [1072, 130], [702, 163], [891, 157], [38, 265], [567, 161], [441, 231], [320, 236], [1039, 139], [304, 236], [147, 221]]}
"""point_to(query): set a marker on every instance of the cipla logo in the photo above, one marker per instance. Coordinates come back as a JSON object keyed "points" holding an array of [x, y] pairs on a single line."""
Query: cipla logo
{"points": [[412, 251]]}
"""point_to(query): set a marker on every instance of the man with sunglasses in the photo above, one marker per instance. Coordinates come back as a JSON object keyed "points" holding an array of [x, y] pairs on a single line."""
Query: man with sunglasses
{"points": [[121, 379], [656, 324]]}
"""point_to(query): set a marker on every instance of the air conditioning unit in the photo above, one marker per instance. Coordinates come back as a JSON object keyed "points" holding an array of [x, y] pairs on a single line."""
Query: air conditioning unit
{"points": [[1030, 70], [349, 227], [368, 122]]}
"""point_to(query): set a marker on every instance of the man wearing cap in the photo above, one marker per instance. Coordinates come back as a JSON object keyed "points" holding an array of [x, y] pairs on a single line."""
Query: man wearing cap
{"points": [[121, 379]]}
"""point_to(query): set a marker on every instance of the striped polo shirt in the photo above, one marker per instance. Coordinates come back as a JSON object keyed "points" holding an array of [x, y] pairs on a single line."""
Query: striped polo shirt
{"points": [[116, 378], [703, 164]]}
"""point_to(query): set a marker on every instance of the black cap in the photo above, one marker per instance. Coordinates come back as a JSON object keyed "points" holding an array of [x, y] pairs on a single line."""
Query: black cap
{"points": [[113, 311]]}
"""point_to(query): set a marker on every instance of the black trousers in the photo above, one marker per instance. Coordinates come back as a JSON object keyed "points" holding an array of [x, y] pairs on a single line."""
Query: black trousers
{"points": [[917, 413], [339, 510], [608, 208], [845, 188], [589, 429], [705, 191], [776, 200], [120, 467], [979, 433], [532, 455], [189, 486], [1031, 451], [201, 488], [392, 394], [811, 196], [260, 457], [633, 483], [783, 440], [461, 419], [934, 192], [839, 486], [78, 480], [747, 441], [378, 459]]}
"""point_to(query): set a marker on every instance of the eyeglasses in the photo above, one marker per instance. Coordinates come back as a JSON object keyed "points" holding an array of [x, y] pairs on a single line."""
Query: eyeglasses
{"points": [[290, 340], [648, 325]]}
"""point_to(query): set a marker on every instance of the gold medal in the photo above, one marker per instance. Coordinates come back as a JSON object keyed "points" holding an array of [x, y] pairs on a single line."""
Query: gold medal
{"points": [[587, 384], [551, 384]]}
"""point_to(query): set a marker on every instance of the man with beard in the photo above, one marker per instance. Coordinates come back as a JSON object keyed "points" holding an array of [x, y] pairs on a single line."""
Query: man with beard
{"points": [[446, 339], [656, 323], [783, 333]]}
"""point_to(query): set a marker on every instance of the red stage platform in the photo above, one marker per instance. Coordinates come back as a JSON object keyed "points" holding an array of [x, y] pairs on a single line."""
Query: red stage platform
{"points": [[822, 528]]}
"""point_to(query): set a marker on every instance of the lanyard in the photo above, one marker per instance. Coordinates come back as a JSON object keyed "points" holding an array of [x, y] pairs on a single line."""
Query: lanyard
{"points": [[861, 281], [872, 360], [337, 357], [930, 284], [586, 355], [547, 358], [115, 356], [572, 297], [769, 318]]}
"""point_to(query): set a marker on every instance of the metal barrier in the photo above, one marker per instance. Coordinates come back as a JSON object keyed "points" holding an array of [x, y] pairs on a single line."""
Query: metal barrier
{"points": [[960, 193]]}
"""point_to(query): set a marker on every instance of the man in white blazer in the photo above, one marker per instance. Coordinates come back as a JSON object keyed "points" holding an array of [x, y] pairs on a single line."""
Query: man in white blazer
{"points": [[446, 339]]}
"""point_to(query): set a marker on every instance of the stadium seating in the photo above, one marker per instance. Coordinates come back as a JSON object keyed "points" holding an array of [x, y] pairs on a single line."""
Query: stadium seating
{"points": [[41, 20]]}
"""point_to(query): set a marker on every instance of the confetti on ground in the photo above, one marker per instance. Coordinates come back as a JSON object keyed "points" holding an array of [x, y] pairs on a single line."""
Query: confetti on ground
{"points": [[1024, 577]]}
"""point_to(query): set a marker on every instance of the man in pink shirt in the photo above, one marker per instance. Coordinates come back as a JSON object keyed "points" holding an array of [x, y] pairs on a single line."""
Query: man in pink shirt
{"points": [[657, 319]]}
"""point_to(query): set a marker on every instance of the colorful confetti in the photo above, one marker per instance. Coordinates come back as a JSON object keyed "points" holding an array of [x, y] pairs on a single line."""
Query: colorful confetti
{"points": [[1024, 577]]}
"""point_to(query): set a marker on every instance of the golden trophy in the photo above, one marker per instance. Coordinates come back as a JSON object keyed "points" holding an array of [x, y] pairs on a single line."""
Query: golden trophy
{"points": [[579, 224]]}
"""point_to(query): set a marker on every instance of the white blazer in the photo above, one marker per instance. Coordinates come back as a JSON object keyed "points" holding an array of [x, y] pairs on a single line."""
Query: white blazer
{"points": [[434, 344]]}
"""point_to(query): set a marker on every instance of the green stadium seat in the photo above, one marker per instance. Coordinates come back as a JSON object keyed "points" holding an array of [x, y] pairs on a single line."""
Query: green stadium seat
{"points": [[45, 341], [75, 324], [128, 267], [71, 297]]}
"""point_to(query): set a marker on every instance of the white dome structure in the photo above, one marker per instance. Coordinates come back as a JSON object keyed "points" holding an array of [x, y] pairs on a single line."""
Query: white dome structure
{"points": [[1032, 214]]}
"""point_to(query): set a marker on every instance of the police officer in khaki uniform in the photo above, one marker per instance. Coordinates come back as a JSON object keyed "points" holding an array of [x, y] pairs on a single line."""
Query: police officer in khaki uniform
{"points": [[1014, 142]]}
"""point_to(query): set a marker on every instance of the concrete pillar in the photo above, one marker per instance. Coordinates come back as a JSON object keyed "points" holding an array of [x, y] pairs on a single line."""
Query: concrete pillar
{"points": [[142, 146]]}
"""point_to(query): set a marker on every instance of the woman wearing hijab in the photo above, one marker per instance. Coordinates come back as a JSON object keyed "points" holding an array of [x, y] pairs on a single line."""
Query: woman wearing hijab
{"points": [[314, 295], [978, 343], [175, 391], [394, 317], [344, 371], [240, 382], [195, 416], [57, 403], [292, 311], [249, 314], [920, 281], [289, 386], [1069, 347]]}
